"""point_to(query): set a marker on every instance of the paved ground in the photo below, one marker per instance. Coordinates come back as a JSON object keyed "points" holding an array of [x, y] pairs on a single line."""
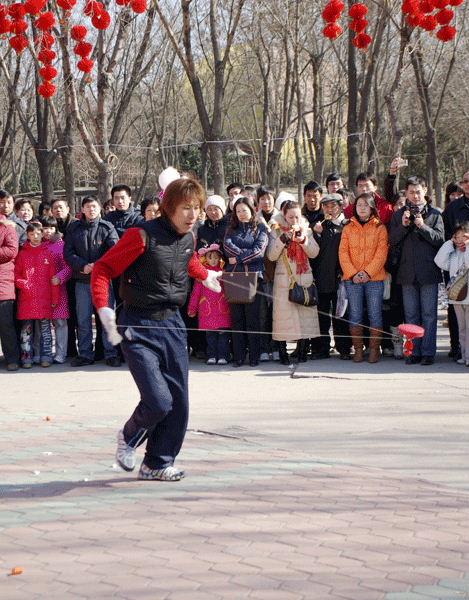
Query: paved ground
{"points": [[349, 482]]}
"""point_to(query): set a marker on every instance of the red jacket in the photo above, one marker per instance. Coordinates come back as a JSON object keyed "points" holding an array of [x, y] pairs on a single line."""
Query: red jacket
{"points": [[8, 252], [34, 270]]}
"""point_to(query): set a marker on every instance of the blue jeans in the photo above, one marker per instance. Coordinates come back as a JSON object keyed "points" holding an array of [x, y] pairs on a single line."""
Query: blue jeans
{"points": [[218, 344], [159, 363], [421, 308], [26, 337], [84, 305], [356, 294]]}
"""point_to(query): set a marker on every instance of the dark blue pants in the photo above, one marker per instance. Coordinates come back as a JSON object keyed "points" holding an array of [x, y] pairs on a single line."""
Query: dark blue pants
{"points": [[159, 363], [218, 344], [245, 317]]}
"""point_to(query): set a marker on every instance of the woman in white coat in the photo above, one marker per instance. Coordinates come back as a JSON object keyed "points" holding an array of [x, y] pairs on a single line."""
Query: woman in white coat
{"points": [[292, 242]]}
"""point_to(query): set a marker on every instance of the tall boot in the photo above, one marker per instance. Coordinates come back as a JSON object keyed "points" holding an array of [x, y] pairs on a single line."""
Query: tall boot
{"points": [[357, 341], [303, 350], [282, 350], [375, 341], [397, 340]]}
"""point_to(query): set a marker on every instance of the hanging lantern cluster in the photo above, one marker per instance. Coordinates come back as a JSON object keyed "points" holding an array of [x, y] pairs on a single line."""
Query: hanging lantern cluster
{"points": [[430, 15], [82, 49], [45, 41]]}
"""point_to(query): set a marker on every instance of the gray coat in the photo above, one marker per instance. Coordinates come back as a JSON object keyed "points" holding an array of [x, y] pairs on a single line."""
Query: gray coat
{"points": [[419, 247]]}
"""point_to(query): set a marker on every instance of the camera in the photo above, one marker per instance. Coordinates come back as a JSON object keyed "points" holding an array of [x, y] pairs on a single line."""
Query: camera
{"points": [[298, 233], [414, 212]]}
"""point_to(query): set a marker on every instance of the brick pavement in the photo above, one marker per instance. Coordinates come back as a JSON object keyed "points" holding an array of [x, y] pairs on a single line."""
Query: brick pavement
{"points": [[249, 521]]}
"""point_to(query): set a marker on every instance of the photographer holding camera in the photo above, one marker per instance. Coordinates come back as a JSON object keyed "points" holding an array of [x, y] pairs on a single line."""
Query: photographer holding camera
{"points": [[417, 229]]}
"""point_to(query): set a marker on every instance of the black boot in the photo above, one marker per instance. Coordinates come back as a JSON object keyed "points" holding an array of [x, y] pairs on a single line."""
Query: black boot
{"points": [[303, 350], [282, 350]]}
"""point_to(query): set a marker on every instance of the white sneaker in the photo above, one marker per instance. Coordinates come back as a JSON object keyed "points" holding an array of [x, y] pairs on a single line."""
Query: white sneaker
{"points": [[222, 361], [125, 454], [461, 361], [275, 356], [264, 357], [212, 361], [164, 474]]}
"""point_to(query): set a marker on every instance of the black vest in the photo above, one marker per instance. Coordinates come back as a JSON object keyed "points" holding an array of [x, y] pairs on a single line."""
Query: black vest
{"points": [[156, 284]]}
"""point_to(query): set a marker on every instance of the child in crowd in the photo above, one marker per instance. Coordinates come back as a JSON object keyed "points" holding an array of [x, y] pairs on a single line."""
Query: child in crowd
{"points": [[452, 256], [34, 270], [52, 239], [213, 309]]}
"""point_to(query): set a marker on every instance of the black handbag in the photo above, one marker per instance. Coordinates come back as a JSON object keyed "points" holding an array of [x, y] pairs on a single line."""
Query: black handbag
{"points": [[240, 287], [298, 294]]}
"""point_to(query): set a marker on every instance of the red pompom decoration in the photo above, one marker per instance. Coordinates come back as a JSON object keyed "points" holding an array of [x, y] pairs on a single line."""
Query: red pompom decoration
{"points": [[45, 40], [48, 73], [429, 23], [444, 16], [455, 2], [358, 25], [140, 6], [19, 43], [66, 4], [414, 20], [426, 6], [86, 65], [332, 31], [45, 22], [123, 2], [79, 32], [441, 3], [446, 33], [362, 41], [16, 11], [5, 25], [93, 8], [101, 20], [34, 7], [83, 49], [46, 56], [18, 26], [358, 11], [46, 90], [410, 7]]}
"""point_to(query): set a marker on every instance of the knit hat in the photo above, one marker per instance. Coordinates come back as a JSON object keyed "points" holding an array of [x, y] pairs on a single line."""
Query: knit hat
{"points": [[332, 198], [216, 200], [282, 198]]}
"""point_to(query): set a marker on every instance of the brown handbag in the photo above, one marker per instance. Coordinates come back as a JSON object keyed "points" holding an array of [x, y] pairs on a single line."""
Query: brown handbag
{"points": [[240, 287]]}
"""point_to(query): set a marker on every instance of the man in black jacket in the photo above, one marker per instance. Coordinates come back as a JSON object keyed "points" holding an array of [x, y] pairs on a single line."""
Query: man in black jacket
{"points": [[87, 240], [418, 229], [125, 215]]}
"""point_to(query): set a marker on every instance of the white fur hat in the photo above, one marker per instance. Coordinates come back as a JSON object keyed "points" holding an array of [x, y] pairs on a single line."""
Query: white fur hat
{"points": [[284, 197], [216, 200]]}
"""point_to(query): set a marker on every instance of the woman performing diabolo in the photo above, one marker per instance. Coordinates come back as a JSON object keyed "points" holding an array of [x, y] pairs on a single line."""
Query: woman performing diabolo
{"points": [[155, 261]]}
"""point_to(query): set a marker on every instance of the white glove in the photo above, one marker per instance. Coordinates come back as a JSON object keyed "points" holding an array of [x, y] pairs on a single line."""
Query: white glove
{"points": [[212, 281], [108, 319]]}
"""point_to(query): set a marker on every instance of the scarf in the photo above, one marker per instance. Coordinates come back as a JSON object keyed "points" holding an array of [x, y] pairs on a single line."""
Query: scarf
{"points": [[297, 255]]}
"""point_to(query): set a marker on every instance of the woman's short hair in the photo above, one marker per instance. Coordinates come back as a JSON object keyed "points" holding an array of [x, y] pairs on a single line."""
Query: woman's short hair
{"points": [[180, 191]]}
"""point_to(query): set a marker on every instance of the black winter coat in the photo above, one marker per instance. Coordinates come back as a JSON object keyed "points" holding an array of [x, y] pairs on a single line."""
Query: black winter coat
{"points": [[326, 265], [419, 247], [125, 219], [211, 233], [86, 242], [455, 213]]}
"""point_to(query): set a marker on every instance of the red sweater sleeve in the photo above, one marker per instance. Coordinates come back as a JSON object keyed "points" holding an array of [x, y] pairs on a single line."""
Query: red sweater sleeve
{"points": [[114, 262]]}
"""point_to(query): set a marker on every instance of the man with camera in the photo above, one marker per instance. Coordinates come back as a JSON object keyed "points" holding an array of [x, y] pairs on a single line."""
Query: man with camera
{"points": [[417, 229]]}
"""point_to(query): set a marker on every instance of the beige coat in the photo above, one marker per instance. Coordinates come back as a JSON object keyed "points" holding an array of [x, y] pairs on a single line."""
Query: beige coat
{"points": [[291, 321]]}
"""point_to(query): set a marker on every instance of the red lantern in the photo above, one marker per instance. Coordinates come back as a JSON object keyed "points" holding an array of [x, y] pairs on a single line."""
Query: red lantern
{"points": [[446, 33], [19, 43], [46, 56], [444, 16], [79, 32], [332, 31], [123, 2], [5, 25], [414, 20], [426, 6], [48, 73], [441, 3], [66, 4], [455, 2], [45, 40], [358, 25], [86, 65], [34, 7], [358, 11], [429, 23], [83, 49], [92, 8], [101, 20], [46, 90], [16, 11], [140, 6], [18, 26], [45, 22], [362, 41]]}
